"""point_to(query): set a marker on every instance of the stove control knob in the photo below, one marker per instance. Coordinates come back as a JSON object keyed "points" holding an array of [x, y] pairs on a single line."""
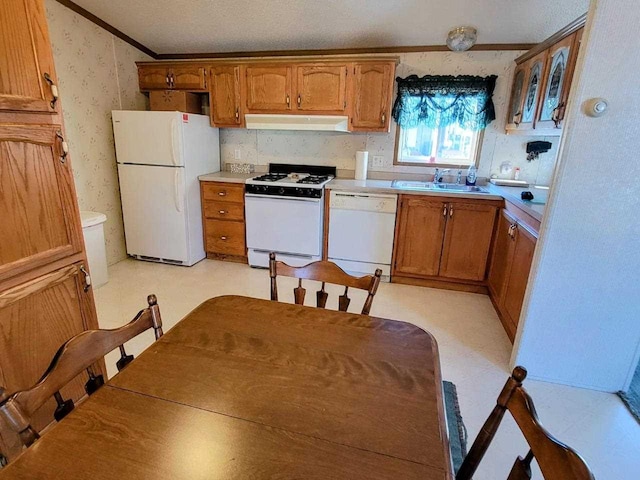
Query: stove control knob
{"points": [[281, 191]]}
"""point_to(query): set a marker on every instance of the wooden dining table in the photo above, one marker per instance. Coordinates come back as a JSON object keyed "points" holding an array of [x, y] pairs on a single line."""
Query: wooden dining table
{"points": [[244, 388]]}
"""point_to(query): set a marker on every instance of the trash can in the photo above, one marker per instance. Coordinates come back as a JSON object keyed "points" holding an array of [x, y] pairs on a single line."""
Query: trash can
{"points": [[93, 231]]}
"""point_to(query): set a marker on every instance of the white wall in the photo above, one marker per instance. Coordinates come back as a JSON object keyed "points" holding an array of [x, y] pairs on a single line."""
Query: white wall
{"points": [[338, 149], [97, 74], [581, 322]]}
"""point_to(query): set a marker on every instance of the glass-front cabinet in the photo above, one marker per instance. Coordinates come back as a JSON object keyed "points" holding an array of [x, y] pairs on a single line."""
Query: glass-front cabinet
{"points": [[515, 104], [532, 89]]}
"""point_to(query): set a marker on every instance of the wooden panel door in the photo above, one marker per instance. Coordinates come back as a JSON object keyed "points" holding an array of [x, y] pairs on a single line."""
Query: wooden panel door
{"points": [[514, 118], [188, 77], [36, 318], [40, 220], [27, 77], [501, 257], [467, 240], [556, 85], [154, 78], [533, 86], [321, 88], [420, 235], [516, 285], [372, 90], [268, 88], [224, 85]]}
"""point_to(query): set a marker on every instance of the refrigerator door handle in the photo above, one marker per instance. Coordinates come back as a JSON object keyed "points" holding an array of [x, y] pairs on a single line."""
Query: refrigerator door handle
{"points": [[175, 143], [177, 191]]}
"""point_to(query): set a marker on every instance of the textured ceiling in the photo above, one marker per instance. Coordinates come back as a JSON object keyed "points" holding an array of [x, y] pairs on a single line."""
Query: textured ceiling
{"points": [[193, 26]]}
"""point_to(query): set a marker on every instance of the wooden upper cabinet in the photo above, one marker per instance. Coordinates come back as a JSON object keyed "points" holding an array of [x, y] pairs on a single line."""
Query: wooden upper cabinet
{"points": [[268, 88], [419, 235], [533, 86], [40, 220], [224, 86], [27, 76], [514, 118], [188, 77], [372, 91], [179, 77], [467, 240], [321, 88], [559, 73]]}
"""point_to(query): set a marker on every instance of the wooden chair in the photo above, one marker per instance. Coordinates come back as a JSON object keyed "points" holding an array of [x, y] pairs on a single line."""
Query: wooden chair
{"points": [[325, 272], [556, 460], [77, 354]]}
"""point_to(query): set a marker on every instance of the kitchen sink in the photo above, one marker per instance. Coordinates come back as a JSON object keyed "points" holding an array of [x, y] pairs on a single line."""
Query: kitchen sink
{"points": [[453, 187]]}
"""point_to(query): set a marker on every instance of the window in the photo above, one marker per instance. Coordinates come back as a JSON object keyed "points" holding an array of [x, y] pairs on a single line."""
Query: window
{"points": [[449, 146]]}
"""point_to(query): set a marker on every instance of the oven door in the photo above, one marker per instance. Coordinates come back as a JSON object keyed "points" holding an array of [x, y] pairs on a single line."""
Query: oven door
{"points": [[284, 224]]}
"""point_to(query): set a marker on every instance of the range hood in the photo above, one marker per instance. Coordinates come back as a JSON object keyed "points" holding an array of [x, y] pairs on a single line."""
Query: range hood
{"points": [[318, 123]]}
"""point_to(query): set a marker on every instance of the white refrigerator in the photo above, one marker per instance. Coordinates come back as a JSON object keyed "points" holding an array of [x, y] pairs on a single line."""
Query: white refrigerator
{"points": [[160, 156]]}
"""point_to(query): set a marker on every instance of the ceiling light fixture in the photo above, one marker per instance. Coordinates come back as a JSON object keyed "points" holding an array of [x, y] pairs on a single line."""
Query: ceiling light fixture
{"points": [[462, 38]]}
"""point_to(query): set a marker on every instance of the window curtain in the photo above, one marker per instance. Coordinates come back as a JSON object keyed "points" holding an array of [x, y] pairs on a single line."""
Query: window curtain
{"points": [[442, 100]]}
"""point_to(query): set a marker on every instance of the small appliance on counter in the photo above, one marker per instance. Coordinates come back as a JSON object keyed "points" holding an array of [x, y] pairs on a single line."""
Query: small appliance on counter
{"points": [[160, 156], [284, 212]]}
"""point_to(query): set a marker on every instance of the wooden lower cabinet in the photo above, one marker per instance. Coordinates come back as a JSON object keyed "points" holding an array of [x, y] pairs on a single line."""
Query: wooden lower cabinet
{"points": [[443, 239], [223, 219], [513, 250], [36, 318]]}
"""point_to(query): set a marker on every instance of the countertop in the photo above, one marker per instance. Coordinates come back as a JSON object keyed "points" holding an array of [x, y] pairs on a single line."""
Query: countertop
{"points": [[495, 192]]}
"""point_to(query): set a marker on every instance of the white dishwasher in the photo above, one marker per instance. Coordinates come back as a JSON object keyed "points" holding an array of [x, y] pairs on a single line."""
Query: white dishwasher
{"points": [[361, 229]]}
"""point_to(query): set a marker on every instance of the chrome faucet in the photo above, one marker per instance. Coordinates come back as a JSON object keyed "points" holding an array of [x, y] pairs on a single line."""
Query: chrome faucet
{"points": [[459, 179], [437, 177]]}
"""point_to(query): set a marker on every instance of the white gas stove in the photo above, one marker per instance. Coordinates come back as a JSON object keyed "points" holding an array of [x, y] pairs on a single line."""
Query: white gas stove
{"points": [[284, 213]]}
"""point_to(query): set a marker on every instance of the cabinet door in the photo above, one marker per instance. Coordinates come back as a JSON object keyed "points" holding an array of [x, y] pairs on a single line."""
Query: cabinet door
{"points": [[501, 257], [188, 78], [35, 320], [556, 84], [420, 235], [268, 88], [40, 220], [27, 77], [516, 285], [372, 90], [321, 88], [517, 96], [225, 96], [154, 78], [532, 89], [467, 240]]}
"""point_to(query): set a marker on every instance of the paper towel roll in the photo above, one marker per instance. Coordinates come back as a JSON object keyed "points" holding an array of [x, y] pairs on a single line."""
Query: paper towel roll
{"points": [[362, 160]]}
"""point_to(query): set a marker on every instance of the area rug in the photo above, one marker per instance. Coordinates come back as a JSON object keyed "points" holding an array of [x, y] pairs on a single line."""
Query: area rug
{"points": [[457, 430], [631, 397]]}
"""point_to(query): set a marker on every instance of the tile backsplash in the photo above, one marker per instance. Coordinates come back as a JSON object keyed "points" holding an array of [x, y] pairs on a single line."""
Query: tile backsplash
{"points": [[261, 147]]}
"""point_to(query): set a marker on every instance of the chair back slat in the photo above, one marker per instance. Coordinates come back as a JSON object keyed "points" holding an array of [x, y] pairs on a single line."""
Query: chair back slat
{"points": [[72, 358], [325, 272], [556, 460]]}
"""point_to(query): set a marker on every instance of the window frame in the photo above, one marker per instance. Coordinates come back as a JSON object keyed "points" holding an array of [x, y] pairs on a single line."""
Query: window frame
{"points": [[397, 162]]}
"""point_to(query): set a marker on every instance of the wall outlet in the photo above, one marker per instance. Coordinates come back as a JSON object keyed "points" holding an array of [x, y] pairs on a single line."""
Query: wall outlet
{"points": [[237, 154], [378, 161]]}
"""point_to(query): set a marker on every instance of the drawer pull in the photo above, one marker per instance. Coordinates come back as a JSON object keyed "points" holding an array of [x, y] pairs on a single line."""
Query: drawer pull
{"points": [[222, 212], [222, 194], [223, 238]]}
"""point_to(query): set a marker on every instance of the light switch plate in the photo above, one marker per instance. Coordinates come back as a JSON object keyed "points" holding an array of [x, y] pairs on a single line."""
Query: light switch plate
{"points": [[378, 161], [237, 154]]}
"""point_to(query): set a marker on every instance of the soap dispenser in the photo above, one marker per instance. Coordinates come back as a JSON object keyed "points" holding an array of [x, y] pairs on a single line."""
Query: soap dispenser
{"points": [[471, 175]]}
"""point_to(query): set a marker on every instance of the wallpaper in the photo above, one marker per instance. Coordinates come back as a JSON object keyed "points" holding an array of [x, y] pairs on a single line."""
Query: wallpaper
{"points": [[331, 148], [97, 74]]}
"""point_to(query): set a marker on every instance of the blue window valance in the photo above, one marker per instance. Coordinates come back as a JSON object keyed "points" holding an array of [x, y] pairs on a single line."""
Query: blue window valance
{"points": [[443, 100]]}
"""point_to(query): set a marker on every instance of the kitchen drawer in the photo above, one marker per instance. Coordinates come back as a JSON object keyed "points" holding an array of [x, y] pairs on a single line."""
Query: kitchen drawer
{"points": [[225, 237], [223, 210], [223, 192]]}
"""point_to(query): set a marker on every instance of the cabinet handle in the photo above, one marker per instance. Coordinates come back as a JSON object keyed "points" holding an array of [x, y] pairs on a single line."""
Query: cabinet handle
{"points": [[87, 278], [223, 238], [450, 210], [64, 147], [444, 212], [168, 80], [222, 194], [555, 115], [383, 118], [288, 101], [237, 114], [54, 90], [222, 212], [517, 119], [299, 100]]}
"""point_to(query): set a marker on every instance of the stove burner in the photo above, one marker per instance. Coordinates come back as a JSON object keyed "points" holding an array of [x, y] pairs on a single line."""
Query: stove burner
{"points": [[271, 177], [314, 179]]}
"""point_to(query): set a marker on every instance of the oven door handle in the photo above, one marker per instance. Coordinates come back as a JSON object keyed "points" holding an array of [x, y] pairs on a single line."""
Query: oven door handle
{"points": [[279, 197]]}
